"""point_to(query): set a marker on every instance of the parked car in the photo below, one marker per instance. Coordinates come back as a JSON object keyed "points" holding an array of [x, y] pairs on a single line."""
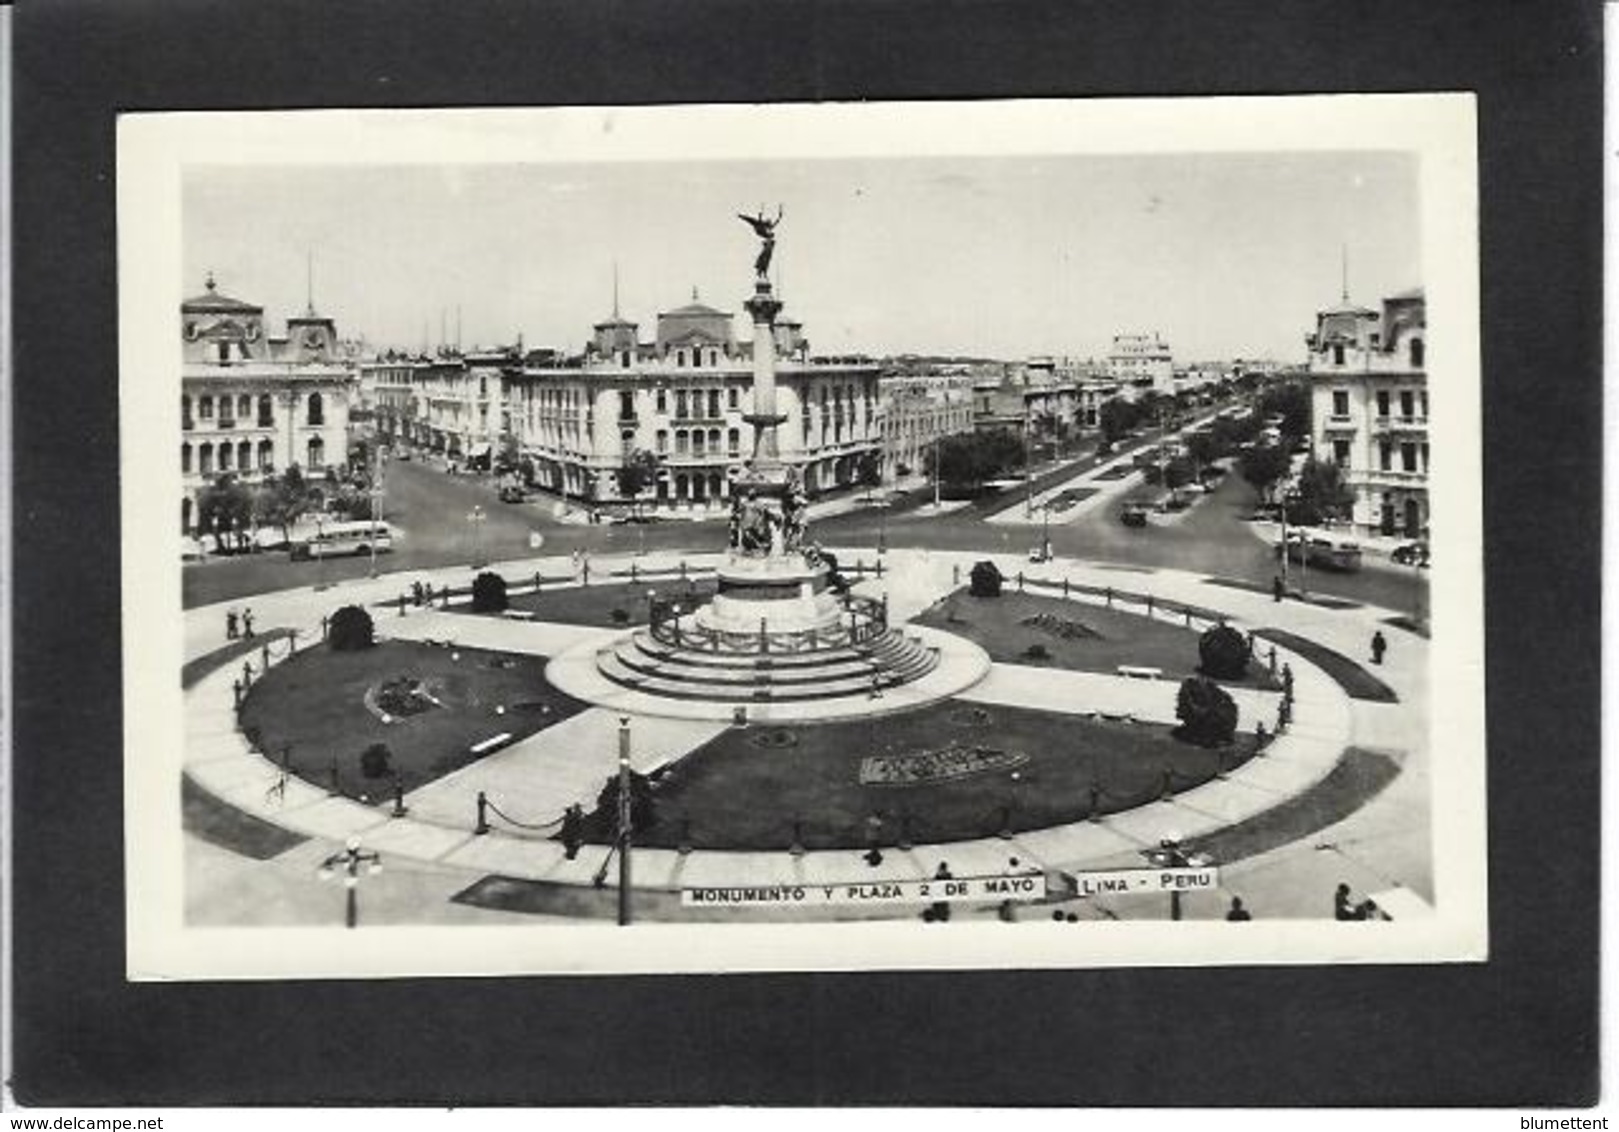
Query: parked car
{"points": [[1133, 515], [512, 494], [1411, 554]]}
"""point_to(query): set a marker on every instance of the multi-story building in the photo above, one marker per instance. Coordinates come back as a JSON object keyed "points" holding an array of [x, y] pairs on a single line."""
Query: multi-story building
{"points": [[1369, 400], [252, 404], [683, 397], [1037, 397], [918, 410], [1142, 363]]}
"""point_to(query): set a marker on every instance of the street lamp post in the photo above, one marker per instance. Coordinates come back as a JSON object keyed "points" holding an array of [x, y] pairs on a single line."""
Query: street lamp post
{"points": [[475, 518], [348, 863], [1171, 854], [1028, 474], [935, 473], [623, 820]]}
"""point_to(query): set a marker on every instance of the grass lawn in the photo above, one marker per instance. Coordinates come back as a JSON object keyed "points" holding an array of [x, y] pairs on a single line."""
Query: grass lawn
{"points": [[195, 670], [594, 605], [1358, 683], [744, 788], [219, 823], [1113, 638], [315, 703]]}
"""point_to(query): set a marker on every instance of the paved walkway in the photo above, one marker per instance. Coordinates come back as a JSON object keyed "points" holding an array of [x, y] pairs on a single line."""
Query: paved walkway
{"points": [[1381, 846]]}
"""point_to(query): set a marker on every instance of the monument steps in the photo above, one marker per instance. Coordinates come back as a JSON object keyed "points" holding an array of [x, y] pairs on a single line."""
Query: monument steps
{"points": [[889, 660]]}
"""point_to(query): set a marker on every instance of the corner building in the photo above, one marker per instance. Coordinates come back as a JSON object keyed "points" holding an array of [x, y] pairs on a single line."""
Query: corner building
{"points": [[252, 404], [1369, 405], [683, 397]]}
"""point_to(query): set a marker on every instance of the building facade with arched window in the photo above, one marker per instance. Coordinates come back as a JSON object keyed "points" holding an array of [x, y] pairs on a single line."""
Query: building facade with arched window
{"points": [[684, 397], [252, 404], [1369, 406]]}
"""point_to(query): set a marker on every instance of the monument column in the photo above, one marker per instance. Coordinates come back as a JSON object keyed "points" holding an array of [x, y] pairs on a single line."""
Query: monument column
{"points": [[764, 307]]}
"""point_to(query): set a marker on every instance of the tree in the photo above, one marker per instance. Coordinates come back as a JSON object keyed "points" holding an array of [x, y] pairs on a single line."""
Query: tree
{"points": [[225, 508], [1291, 402], [488, 593], [1207, 712], [1117, 417], [1323, 494], [967, 461], [869, 469], [1223, 653], [638, 472], [284, 499], [1263, 466], [350, 630]]}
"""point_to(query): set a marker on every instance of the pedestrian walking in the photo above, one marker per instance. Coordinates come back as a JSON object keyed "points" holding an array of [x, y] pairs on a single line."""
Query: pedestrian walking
{"points": [[247, 674], [230, 624], [247, 624], [1277, 590], [941, 908], [573, 829], [1343, 908], [1238, 914], [1271, 660], [1287, 680], [1380, 646]]}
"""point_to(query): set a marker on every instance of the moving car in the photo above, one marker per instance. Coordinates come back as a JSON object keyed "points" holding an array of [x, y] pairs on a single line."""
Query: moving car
{"points": [[1315, 548], [1133, 515], [511, 493]]}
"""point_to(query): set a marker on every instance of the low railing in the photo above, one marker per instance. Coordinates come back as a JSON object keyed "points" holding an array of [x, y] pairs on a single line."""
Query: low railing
{"points": [[862, 620]]}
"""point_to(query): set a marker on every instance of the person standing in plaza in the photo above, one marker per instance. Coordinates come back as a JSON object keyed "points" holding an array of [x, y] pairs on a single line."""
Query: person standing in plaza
{"points": [[1380, 646], [247, 624], [941, 908], [1238, 914], [230, 623], [1277, 590]]}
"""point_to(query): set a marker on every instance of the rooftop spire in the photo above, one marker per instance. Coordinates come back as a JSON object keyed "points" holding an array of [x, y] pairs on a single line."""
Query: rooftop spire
{"points": [[309, 282], [209, 282], [694, 292], [1345, 291], [615, 290]]}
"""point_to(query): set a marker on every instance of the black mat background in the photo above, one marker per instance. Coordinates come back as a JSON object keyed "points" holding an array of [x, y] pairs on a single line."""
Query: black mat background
{"points": [[1518, 1030]]}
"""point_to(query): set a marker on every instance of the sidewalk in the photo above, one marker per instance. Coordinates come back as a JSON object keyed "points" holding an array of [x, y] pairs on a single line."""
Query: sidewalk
{"points": [[1380, 842]]}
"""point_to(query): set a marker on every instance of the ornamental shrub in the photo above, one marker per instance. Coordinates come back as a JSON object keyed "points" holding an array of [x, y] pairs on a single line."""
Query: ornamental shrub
{"points": [[1223, 652], [1207, 713], [986, 580], [350, 630], [376, 761], [488, 593], [642, 813]]}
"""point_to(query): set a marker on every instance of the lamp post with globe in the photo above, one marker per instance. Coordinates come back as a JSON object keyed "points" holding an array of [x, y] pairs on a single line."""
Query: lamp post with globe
{"points": [[348, 864]]}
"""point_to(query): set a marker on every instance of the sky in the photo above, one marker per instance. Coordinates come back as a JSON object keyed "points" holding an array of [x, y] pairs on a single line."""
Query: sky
{"points": [[1225, 255]]}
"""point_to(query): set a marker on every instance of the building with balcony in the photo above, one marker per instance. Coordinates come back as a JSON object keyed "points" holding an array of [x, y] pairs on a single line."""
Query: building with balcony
{"points": [[1141, 363], [684, 397], [1369, 402], [918, 410], [252, 404]]}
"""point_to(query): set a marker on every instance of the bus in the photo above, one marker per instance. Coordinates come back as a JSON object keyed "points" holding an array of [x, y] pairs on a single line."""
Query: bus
{"points": [[333, 540], [1316, 548]]}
